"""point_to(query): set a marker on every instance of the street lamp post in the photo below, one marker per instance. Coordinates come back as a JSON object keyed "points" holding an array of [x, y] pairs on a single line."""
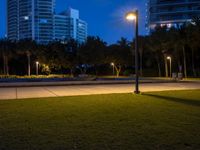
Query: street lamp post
{"points": [[170, 61], [133, 16], [37, 66], [113, 66]]}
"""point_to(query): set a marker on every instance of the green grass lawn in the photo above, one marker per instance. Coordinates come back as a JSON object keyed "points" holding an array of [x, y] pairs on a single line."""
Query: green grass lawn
{"points": [[152, 121]]}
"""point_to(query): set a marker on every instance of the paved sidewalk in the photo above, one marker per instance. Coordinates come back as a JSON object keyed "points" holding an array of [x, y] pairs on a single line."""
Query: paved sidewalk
{"points": [[55, 91]]}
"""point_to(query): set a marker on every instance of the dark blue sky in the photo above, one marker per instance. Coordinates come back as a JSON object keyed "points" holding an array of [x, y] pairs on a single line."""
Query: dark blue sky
{"points": [[104, 17]]}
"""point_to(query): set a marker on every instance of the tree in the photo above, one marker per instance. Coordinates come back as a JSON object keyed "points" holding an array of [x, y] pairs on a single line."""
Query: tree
{"points": [[27, 47], [92, 53], [71, 50], [6, 49], [193, 40], [157, 43], [54, 55], [120, 54], [183, 38], [142, 46]]}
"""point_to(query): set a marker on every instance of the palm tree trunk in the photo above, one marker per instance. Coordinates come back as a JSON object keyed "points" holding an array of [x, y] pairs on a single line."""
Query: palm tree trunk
{"points": [[193, 65], [4, 64], [159, 70], [166, 68], [184, 62], [159, 67], [29, 64]]}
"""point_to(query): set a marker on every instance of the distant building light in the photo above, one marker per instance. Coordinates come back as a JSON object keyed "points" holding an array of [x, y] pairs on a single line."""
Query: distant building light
{"points": [[80, 25], [162, 25], [26, 17], [169, 25]]}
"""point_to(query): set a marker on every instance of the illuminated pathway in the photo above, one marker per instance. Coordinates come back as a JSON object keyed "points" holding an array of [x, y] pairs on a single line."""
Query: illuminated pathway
{"points": [[55, 91]]}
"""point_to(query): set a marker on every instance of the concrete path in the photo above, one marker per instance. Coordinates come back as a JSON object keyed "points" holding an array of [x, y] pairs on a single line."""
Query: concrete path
{"points": [[56, 91]]}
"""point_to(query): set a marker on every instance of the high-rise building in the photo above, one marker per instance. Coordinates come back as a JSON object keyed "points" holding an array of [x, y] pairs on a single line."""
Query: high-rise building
{"points": [[12, 20], [30, 19], [36, 20], [42, 24], [171, 12], [67, 25]]}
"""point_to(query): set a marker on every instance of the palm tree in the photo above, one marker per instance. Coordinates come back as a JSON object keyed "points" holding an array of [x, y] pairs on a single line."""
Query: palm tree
{"points": [[183, 40], [27, 47], [6, 48], [154, 48], [157, 43], [142, 43], [193, 39]]}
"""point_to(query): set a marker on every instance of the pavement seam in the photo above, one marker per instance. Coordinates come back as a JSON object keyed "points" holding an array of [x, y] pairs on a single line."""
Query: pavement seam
{"points": [[51, 92]]}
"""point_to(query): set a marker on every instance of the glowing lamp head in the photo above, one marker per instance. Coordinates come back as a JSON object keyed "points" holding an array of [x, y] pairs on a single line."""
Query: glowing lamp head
{"points": [[168, 57], [112, 64], [131, 16], [37, 62]]}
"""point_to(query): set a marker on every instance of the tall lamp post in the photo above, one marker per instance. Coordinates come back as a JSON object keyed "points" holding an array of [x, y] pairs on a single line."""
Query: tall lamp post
{"points": [[170, 61], [37, 66], [113, 66], [133, 16]]}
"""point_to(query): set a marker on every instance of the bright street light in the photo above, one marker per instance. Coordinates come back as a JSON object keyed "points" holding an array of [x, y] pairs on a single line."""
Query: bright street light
{"points": [[168, 57], [133, 16], [37, 66], [113, 65], [170, 61]]}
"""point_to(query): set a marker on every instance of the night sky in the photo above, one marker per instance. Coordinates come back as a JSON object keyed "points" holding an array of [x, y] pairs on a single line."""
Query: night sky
{"points": [[105, 18]]}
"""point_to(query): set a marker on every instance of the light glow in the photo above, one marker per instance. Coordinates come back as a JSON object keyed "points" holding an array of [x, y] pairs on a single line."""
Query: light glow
{"points": [[26, 18], [130, 16], [169, 58], [112, 64]]}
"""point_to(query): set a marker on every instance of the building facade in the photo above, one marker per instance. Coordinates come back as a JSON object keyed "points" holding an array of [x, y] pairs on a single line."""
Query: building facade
{"points": [[171, 13], [67, 25], [61, 27], [30, 19], [12, 20], [36, 20]]}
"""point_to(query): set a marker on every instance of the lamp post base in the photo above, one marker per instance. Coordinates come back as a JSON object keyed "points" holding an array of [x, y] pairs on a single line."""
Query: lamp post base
{"points": [[136, 92]]}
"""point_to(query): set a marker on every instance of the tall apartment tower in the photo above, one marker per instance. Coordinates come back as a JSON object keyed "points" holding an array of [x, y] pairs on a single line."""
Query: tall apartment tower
{"points": [[36, 20], [30, 19], [171, 12], [68, 25]]}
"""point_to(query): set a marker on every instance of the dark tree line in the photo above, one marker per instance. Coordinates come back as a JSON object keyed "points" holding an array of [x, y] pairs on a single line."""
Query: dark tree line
{"points": [[182, 44]]}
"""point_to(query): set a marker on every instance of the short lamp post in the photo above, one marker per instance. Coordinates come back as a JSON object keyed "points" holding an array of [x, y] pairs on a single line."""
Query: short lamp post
{"points": [[113, 66], [37, 67], [170, 61], [133, 16]]}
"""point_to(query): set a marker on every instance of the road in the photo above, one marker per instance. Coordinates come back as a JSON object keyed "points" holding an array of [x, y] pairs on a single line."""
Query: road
{"points": [[75, 90]]}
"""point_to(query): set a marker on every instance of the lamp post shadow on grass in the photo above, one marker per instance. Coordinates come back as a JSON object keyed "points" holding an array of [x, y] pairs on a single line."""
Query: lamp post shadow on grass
{"points": [[175, 99]]}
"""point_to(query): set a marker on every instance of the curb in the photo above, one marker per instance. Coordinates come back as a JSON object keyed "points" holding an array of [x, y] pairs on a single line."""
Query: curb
{"points": [[71, 83]]}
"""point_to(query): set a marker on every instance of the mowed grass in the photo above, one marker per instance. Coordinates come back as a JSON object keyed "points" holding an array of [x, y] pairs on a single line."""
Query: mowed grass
{"points": [[151, 121]]}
